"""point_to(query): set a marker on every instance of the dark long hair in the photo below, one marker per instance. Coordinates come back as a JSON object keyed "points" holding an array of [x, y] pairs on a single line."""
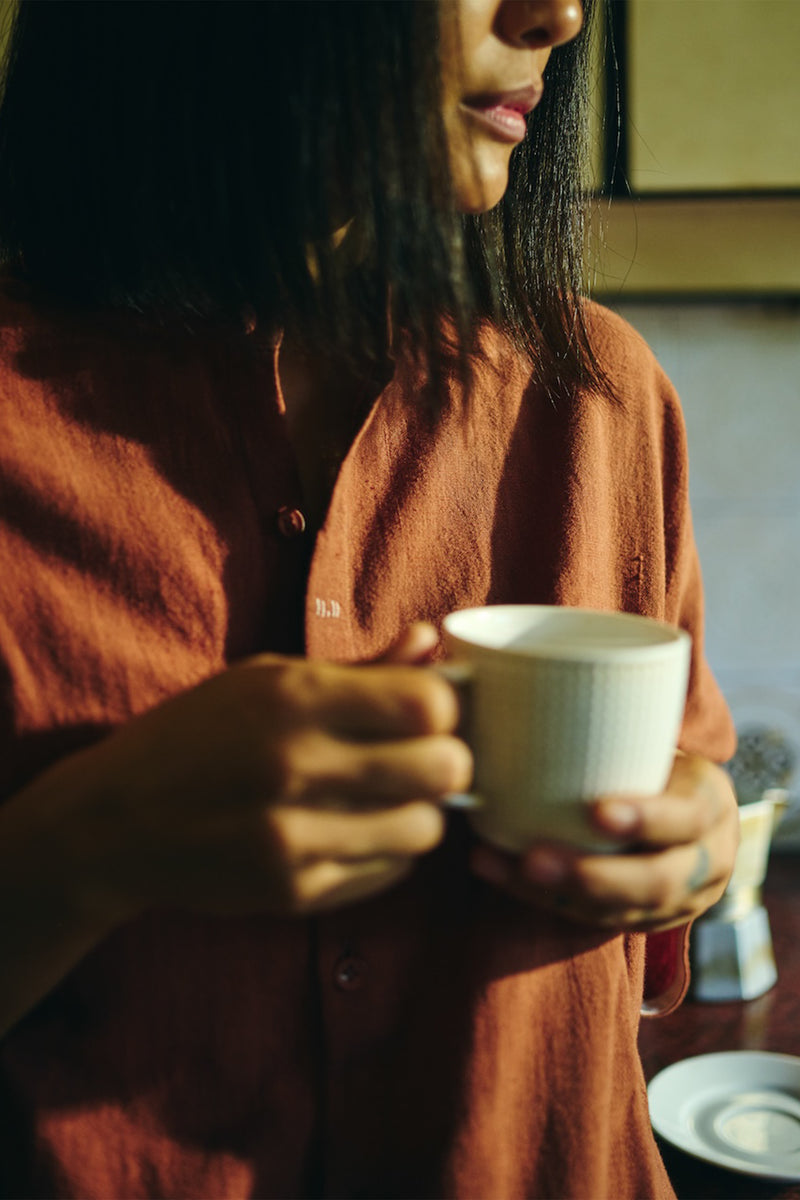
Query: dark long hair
{"points": [[180, 157]]}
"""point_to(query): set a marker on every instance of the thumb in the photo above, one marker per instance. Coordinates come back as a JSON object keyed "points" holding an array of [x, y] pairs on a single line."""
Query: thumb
{"points": [[415, 646]]}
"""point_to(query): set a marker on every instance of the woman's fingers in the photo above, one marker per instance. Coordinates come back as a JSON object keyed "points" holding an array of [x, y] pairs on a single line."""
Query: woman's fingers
{"points": [[415, 645], [330, 884], [272, 785], [332, 858], [697, 797], [682, 849], [310, 834], [637, 891], [392, 701], [381, 773], [670, 885], [373, 701]]}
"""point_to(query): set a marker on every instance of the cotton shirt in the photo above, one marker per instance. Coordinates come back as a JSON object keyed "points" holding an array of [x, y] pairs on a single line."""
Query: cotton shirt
{"points": [[442, 1039]]}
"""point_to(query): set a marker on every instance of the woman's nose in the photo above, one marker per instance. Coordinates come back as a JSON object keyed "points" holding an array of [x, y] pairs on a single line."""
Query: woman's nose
{"points": [[535, 23]]}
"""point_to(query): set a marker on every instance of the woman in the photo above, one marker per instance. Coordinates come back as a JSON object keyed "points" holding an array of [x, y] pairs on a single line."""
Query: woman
{"points": [[293, 364]]}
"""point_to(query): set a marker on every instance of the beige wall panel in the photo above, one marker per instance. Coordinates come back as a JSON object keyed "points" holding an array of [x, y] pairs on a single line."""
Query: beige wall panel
{"points": [[714, 93], [724, 246]]}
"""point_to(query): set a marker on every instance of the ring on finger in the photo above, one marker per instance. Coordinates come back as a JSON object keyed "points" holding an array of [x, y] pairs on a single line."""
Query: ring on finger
{"points": [[702, 869]]}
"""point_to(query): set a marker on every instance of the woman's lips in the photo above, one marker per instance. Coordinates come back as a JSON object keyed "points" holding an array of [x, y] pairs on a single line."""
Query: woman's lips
{"points": [[503, 114]]}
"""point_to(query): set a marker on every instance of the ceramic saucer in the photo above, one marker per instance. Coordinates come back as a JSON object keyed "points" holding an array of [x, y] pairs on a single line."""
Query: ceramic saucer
{"points": [[739, 1110]]}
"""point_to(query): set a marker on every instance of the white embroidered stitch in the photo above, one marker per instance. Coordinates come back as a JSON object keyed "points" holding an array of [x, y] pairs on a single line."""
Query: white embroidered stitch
{"points": [[327, 608]]}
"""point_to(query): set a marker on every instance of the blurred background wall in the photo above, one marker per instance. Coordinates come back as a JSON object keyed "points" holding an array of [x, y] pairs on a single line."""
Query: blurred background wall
{"points": [[695, 239]]}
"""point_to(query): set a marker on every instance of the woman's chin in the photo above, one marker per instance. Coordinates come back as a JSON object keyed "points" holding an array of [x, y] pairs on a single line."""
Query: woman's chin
{"points": [[481, 191]]}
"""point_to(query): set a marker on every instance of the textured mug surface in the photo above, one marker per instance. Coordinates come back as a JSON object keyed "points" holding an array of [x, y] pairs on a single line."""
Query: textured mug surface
{"points": [[565, 704]]}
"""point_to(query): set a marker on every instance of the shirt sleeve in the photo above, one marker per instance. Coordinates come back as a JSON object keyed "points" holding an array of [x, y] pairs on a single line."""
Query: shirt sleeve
{"points": [[707, 725]]}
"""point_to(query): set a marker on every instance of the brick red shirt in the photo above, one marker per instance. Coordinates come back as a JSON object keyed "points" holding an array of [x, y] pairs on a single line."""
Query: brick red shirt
{"points": [[441, 1040]]}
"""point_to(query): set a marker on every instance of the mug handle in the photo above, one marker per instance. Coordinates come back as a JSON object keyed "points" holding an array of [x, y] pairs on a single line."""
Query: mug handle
{"points": [[459, 675]]}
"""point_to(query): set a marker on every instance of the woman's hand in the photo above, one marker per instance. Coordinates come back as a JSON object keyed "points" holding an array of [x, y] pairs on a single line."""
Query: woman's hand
{"points": [[682, 846], [280, 785]]}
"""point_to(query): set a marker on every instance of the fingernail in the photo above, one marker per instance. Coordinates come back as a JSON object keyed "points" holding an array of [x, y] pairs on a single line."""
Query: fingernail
{"points": [[544, 866], [619, 816]]}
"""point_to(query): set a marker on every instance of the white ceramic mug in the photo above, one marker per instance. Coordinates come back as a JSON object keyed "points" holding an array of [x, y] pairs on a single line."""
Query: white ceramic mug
{"points": [[565, 704]]}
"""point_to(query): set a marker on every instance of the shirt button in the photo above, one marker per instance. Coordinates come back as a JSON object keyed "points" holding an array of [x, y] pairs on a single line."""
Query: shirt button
{"points": [[350, 973], [291, 521]]}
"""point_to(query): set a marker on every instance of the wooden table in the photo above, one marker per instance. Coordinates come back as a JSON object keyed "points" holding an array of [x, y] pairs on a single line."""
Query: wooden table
{"points": [[770, 1022]]}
